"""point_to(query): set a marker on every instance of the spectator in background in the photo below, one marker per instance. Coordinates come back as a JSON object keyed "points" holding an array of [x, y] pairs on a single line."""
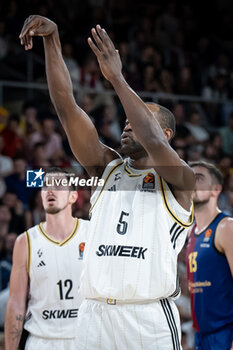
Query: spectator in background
{"points": [[6, 261], [36, 214], [198, 132], [182, 132], [4, 115], [16, 182], [6, 168], [90, 74], [103, 121], [5, 219], [51, 139], [227, 136], [71, 63], [166, 79], [38, 158], [185, 82], [12, 140], [17, 223], [226, 197], [149, 81], [5, 271], [29, 123]]}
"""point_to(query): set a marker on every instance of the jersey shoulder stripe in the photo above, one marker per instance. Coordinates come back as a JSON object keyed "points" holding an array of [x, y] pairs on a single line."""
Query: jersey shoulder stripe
{"points": [[169, 210]]}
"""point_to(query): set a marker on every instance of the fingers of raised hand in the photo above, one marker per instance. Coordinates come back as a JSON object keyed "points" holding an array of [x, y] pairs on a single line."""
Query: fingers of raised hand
{"points": [[104, 36], [100, 44], [93, 47], [28, 31]]}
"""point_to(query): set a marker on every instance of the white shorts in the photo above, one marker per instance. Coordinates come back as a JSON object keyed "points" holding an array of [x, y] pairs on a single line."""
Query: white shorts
{"points": [[147, 326], [37, 343]]}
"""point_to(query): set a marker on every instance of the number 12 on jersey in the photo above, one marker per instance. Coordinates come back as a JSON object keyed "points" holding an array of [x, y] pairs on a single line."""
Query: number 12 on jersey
{"points": [[65, 286]]}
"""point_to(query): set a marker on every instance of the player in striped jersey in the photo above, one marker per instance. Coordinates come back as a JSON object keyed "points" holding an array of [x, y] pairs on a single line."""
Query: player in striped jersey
{"points": [[210, 263], [44, 284], [139, 219]]}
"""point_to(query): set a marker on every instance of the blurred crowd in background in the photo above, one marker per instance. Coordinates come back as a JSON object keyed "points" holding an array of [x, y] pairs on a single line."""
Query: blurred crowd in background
{"points": [[165, 47]]}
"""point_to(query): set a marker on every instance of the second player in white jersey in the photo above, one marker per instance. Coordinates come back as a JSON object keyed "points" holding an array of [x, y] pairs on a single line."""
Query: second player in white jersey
{"points": [[54, 270], [133, 244], [45, 277]]}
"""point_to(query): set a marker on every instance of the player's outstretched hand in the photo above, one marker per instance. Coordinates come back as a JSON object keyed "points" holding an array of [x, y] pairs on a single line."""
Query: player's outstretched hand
{"points": [[35, 26], [107, 56]]}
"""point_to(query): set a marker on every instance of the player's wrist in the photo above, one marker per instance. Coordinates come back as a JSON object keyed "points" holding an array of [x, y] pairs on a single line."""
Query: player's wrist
{"points": [[117, 79]]}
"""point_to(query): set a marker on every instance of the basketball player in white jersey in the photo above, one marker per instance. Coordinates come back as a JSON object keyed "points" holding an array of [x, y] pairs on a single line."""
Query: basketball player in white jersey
{"points": [[139, 219], [44, 284]]}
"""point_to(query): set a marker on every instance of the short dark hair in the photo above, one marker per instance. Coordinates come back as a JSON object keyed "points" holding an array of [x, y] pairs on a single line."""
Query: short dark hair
{"points": [[57, 170], [212, 169], [166, 117]]}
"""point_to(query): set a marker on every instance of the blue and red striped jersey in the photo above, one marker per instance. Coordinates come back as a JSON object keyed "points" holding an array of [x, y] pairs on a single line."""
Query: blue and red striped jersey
{"points": [[210, 280]]}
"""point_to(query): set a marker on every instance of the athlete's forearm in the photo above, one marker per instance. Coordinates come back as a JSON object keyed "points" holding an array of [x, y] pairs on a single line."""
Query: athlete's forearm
{"points": [[14, 322], [58, 77], [143, 122]]}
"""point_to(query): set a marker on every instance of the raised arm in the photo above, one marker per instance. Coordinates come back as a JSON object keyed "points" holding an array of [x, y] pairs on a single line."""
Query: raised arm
{"points": [[142, 120], [16, 306], [81, 132]]}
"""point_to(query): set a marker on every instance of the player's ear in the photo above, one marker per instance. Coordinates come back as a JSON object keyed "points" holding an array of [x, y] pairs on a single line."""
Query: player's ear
{"points": [[217, 188], [73, 196], [168, 133]]}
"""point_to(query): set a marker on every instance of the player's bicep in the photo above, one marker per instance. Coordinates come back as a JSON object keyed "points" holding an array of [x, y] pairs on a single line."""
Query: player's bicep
{"points": [[19, 274]]}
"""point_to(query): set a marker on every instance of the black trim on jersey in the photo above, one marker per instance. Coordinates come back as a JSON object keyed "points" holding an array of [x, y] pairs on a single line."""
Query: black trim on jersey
{"points": [[178, 230], [177, 290], [131, 174], [171, 230], [177, 236], [171, 323], [174, 323]]}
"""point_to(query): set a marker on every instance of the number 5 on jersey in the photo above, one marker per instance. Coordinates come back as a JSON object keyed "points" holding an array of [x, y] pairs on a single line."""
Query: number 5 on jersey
{"points": [[122, 224]]}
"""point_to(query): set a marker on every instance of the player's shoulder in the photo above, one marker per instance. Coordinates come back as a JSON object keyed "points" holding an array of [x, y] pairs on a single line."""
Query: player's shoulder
{"points": [[224, 233], [20, 248], [226, 225], [21, 240]]}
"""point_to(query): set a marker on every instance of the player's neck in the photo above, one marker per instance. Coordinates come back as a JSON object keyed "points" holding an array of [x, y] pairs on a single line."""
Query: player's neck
{"points": [[205, 215], [139, 163], [60, 225]]}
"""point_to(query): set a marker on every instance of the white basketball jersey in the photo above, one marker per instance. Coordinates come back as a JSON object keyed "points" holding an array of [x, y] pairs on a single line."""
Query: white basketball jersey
{"points": [[54, 276], [137, 229]]}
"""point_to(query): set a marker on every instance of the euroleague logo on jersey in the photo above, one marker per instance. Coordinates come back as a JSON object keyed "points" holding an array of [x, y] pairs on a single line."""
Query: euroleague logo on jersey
{"points": [[148, 182], [81, 250], [208, 233]]}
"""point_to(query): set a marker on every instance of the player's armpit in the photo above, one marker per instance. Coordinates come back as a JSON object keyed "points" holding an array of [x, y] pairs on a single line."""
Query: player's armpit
{"points": [[224, 240], [16, 306]]}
